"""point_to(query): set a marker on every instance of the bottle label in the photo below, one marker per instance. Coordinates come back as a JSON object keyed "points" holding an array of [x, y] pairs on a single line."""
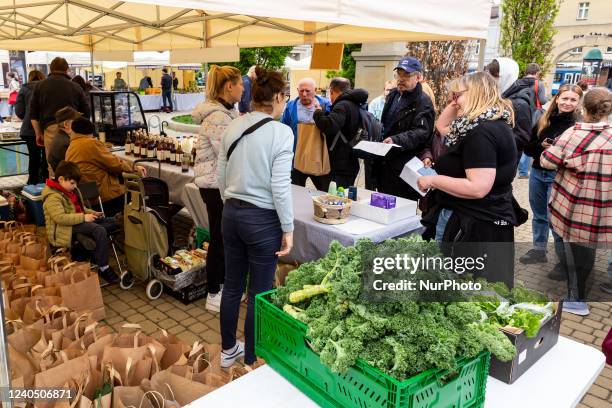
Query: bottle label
{"points": [[179, 158], [128, 148], [160, 155], [150, 154]]}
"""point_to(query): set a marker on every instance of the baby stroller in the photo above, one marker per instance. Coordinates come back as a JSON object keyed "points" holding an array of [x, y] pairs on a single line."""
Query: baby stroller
{"points": [[147, 218]]}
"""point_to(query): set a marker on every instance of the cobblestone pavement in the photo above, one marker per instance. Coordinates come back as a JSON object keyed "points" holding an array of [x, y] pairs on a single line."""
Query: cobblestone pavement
{"points": [[193, 322]]}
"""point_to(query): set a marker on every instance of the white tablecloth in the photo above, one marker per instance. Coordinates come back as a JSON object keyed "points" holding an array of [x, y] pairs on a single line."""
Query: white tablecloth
{"points": [[559, 379], [180, 102], [4, 108]]}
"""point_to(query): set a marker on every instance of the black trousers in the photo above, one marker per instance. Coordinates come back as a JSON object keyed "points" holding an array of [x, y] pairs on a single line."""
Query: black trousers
{"points": [[299, 179], [112, 207], [579, 261], [215, 265], [38, 170]]}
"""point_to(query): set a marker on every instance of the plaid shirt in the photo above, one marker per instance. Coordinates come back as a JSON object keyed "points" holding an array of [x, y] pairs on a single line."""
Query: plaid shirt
{"points": [[580, 202]]}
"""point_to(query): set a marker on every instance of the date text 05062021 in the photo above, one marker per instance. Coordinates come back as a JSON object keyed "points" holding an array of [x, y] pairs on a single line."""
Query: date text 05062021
{"points": [[29, 394]]}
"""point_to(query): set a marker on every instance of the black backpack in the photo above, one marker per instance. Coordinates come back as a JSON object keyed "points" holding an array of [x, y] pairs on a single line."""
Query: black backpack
{"points": [[370, 129]]}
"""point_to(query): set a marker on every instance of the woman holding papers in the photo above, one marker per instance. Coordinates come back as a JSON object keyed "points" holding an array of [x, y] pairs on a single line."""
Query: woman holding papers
{"points": [[474, 181]]}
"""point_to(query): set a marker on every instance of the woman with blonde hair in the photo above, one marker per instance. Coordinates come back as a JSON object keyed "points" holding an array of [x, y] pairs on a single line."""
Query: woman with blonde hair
{"points": [[224, 90], [580, 203], [474, 181], [560, 116]]}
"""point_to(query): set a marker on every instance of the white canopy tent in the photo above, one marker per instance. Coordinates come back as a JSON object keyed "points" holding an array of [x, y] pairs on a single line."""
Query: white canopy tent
{"points": [[155, 25]]}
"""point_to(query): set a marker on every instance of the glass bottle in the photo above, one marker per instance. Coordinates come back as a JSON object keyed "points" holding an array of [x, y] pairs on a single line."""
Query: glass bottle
{"points": [[179, 154], [160, 150], [172, 157], [128, 143], [136, 150]]}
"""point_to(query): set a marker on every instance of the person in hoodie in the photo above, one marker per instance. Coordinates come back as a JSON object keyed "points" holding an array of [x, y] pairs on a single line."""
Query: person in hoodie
{"points": [[408, 120], [224, 89], [340, 125], [67, 219], [560, 116], [301, 110], [521, 94]]}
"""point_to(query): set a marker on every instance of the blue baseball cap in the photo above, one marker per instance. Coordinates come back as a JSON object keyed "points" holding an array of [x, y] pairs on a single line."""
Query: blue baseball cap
{"points": [[409, 64]]}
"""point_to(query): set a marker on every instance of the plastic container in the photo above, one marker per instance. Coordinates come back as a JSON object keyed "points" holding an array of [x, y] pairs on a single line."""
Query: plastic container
{"points": [[202, 235], [281, 341], [403, 209], [33, 202]]}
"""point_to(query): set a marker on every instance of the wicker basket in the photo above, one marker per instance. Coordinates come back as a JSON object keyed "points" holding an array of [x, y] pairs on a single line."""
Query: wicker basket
{"points": [[327, 213]]}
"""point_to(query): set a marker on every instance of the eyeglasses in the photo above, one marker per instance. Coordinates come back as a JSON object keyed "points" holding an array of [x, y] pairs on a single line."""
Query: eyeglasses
{"points": [[457, 94], [403, 75]]}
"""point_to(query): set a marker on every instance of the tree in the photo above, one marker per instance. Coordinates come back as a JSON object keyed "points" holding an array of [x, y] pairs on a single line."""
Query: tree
{"points": [[527, 31], [270, 58], [442, 61], [348, 64]]}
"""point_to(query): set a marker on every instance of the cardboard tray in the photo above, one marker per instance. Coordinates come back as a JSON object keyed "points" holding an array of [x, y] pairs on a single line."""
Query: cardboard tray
{"points": [[529, 350]]}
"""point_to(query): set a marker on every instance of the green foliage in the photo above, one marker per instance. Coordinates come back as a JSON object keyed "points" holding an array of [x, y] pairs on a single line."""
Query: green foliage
{"points": [[270, 58], [186, 119], [348, 64], [527, 31], [401, 338]]}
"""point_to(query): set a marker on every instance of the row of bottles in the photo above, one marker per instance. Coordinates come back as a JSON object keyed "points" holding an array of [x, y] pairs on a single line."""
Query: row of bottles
{"points": [[140, 144]]}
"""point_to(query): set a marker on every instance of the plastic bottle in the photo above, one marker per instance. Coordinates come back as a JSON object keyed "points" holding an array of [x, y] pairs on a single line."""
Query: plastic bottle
{"points": [[332, 188]]}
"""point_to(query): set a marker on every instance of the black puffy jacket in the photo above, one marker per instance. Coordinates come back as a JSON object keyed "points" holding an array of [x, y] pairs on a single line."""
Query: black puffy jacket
{"points": [[522, 97], [343, 117], [22, 110]]}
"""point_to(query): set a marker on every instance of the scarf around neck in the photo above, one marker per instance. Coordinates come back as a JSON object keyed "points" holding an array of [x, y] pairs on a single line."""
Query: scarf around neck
{"points": [[460, 126]]}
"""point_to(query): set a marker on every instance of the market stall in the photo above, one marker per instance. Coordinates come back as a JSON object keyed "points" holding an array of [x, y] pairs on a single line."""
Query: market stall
{"points": [[559, 380], [181, 102]]}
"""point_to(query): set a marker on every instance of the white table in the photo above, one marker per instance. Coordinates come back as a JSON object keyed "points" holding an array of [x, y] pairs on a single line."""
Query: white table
{"points": [[558, 380], [180, 102]]}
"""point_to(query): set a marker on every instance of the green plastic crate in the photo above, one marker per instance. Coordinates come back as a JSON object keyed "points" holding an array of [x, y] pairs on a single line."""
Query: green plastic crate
{"points": [[281, 341], [202, 235]]}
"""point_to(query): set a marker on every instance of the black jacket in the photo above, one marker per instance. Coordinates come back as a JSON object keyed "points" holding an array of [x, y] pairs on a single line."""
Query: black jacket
{"points": [[412, 126], [54, 93], [522, 97], [22, 110], [343, 117], [166, 82], [559, 123]]}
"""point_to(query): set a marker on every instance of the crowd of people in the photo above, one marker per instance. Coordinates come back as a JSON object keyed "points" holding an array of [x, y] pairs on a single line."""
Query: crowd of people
{"points": [[250, 150]]}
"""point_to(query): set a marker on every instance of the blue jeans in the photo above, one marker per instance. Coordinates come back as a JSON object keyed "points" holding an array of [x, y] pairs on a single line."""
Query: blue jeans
{"points": [[251, 237], [443, 218], [167, 96], [540, 185], [524, 164]]}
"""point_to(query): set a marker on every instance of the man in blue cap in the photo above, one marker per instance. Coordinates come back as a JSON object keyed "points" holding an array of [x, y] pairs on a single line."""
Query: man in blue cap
{"points": [[408, 120]]}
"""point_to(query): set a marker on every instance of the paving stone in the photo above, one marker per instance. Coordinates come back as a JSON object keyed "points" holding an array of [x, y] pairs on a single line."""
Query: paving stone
{"points": [[211, 337], [572, 317], [566, 331], [149, 327], [138, 304], [189, 322], [164, 307], [119, 306], [604, 382], [115, 320], [137, 318], [577, 326], [599, 392], [595, 402], [195, 312], [214, 324], [156, 315], [188, 337], [199, 328], [178, 315], [585, 338], [167, 324]]}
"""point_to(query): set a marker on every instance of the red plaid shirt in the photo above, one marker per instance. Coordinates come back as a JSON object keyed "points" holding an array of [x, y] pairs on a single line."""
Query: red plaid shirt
{"points": [[580, 201]]}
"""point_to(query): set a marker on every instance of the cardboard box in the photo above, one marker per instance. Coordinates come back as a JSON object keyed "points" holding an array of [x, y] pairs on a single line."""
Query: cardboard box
{"points": [[529, 350], [403, 209]]}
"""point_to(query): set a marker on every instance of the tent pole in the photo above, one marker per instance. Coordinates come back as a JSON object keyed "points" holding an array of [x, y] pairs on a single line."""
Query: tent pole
{"points": [[481, 54], [91, 59]]}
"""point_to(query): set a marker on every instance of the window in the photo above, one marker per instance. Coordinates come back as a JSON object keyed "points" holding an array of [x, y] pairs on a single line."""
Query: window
{"points": [[583, 11], [577, 50], [608, 50]]}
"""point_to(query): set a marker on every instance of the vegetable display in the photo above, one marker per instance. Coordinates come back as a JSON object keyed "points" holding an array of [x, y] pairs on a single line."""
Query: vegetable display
{"points": [[401, 338]]}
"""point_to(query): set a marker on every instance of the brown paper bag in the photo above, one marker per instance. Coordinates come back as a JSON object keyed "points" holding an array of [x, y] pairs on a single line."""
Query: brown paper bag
{"points": [[34, 256], [75, 369], [61, 272], [135, 397], [38, 306], [21, 366], [311, 155], [84, 294], [185, 390], [175, 348]]}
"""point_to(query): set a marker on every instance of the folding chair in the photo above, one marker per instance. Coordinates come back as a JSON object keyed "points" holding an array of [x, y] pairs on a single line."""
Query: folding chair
{"points": [[91, 196]]}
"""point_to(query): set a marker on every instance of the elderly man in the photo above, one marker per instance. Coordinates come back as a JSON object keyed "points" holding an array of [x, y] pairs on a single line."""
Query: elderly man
{"points": [[408, 119], [300, 110]]}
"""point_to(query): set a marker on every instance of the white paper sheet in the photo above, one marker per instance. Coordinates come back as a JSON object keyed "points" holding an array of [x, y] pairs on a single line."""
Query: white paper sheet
{"points": [[359, 226], [413, 170], [377, 148]]}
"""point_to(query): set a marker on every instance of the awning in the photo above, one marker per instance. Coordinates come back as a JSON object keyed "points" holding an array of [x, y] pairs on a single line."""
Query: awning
{"points": [[156, 25]]}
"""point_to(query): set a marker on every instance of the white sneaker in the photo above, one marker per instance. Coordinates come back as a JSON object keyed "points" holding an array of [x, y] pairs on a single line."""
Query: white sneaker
{"points": [[229, 357], [213, 302]]}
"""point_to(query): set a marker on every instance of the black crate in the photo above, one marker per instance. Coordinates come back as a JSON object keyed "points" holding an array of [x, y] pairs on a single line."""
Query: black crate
{"points": [[529, 350], [189, 294]]}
